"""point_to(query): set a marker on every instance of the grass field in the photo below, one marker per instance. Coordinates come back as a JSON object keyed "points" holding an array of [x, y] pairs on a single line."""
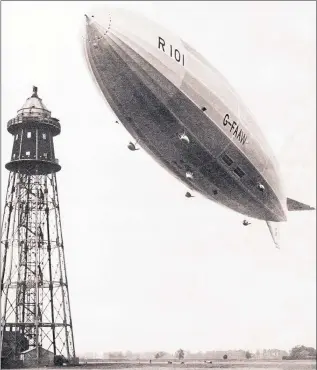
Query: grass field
{"points": [[238, 365]]}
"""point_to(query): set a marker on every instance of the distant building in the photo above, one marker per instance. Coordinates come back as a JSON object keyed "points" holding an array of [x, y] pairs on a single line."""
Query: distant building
{"points": [[29, 357], [273, 354]]}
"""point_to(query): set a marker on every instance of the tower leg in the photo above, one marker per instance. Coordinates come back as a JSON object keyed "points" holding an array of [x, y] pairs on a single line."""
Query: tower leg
{"points": [[34, 287]]}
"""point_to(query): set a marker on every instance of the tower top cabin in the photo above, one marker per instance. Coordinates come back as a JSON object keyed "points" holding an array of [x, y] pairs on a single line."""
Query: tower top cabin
{"points": [[33, 129]]}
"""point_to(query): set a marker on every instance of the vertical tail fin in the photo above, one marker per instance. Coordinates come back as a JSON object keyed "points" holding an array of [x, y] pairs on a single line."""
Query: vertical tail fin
{"points": [[275, 232]]}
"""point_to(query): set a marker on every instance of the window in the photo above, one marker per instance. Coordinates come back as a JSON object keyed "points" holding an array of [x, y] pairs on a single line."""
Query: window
{"points": [[44, 136], [227, 159], [16, 137], [45, 155], [239, 172], [29, 135], [27, 153], [13, 155]]}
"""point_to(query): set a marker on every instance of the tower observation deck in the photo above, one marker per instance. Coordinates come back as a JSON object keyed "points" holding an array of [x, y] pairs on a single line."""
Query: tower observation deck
{"points": [[36, 324], [33, 129]]}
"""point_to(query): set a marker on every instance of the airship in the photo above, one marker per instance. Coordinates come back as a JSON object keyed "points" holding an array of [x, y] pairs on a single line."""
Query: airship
{"points": [[185, 114]]}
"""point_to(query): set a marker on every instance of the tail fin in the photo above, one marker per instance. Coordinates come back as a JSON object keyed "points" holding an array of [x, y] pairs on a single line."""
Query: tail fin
{"points": [[293, 205], [275, 232]]}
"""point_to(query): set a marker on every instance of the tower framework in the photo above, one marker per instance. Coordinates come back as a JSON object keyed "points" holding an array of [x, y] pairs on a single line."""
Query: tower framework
{"points": [[34, 287]]}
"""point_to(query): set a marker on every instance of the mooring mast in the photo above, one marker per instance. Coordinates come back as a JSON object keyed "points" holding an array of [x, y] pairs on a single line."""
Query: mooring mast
{"points": [[34, 287]]}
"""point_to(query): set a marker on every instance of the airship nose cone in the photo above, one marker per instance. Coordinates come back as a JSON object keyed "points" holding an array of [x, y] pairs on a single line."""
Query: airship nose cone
{"points": [[88, 19]]}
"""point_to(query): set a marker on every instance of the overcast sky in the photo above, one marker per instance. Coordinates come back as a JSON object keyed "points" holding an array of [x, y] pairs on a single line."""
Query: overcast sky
{"points": [[149, 269]]}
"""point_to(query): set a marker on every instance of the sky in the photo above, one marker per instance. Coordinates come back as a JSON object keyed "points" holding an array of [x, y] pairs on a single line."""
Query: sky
{"points": [[149, 269]]}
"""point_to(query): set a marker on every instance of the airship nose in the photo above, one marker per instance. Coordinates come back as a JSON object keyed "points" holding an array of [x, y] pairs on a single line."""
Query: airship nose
{"points": [[100, 19], [87, 19]]}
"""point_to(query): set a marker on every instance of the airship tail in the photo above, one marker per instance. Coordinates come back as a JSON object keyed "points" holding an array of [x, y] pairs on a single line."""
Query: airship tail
{"points": [[294, 205], [275, 232]]}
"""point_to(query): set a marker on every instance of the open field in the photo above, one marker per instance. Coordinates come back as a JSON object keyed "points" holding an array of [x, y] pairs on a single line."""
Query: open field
{"points": [[190, 365], [216, 364], [238, 365]]}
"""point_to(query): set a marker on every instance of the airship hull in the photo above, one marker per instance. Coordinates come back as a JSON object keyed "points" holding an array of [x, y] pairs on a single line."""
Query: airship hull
{"points": [[156, 95]]}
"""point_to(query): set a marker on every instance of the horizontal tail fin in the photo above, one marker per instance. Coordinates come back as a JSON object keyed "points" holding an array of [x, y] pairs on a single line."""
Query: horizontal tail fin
{"points": [[293, 205], [275, 232]]}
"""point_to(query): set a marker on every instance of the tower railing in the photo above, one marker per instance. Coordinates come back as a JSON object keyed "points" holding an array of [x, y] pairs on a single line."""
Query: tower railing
{"points": [[55, 160], [24, 119]]}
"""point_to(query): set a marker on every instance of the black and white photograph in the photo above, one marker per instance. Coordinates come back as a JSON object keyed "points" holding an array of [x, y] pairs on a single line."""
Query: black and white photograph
{"points": [[158, 185]]}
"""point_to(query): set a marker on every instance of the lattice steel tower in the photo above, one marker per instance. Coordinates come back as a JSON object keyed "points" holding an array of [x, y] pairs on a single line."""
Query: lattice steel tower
{"points": [[34, 288]]}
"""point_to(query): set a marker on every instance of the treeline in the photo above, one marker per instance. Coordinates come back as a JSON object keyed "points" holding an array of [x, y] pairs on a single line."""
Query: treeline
{"points": [[301, 353]]}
